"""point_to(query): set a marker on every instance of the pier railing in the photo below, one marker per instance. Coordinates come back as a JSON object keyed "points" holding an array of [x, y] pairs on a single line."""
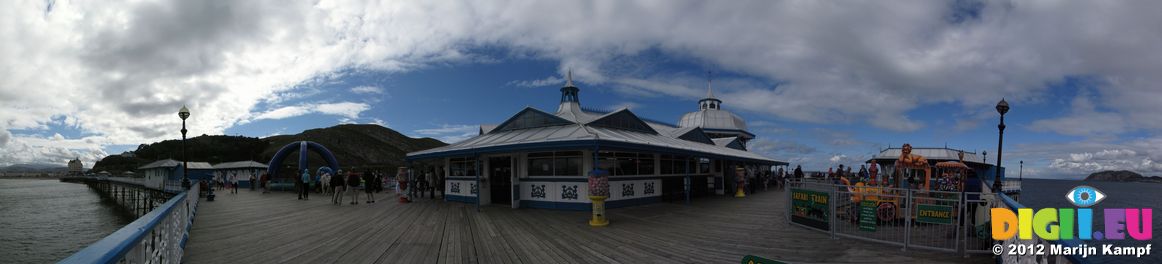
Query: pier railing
{"points": [[156, 237], [911, 219]]}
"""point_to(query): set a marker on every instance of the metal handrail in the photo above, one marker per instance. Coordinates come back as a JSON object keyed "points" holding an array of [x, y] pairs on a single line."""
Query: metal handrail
{"points": [[154, 235]]}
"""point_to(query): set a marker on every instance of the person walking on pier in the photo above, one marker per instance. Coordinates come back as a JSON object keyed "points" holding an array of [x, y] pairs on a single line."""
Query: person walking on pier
{"points": [[325, 182], [265, 182], [338, 184], [252, 182], [352, 182], [234, 182], [369, 186], [305, 187]]}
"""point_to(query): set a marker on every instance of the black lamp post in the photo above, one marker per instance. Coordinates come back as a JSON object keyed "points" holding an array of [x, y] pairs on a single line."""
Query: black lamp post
{"points": [[1002, 107], [1021, 173], [185, 113]]}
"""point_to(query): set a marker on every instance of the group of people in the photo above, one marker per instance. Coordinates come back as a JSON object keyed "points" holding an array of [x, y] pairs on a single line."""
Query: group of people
{"points": [[229, 182], [339, 184], [864, 175]]}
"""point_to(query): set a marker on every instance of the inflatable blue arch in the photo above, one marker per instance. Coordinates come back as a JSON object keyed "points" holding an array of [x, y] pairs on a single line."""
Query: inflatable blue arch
{"points": [[302, 147]]}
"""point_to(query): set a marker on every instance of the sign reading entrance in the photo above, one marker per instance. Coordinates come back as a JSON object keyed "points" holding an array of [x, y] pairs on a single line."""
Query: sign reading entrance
{"points": [[867, 216], [934, 214], [810, 208]]}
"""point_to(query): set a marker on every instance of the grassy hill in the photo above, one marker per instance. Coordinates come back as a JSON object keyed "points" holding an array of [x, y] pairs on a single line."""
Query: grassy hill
{"points": [[362, 146]]}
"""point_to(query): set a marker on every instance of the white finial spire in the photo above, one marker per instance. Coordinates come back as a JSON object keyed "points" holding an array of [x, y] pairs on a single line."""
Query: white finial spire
{"points": [[569, 79]]}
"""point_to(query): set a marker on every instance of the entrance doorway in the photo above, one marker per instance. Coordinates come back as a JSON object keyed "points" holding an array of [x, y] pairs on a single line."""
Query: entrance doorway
{"points": [[500, 180]]}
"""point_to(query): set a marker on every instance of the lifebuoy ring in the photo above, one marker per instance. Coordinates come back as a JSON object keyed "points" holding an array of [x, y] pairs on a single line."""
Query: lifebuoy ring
{"points": [[886, 212]]}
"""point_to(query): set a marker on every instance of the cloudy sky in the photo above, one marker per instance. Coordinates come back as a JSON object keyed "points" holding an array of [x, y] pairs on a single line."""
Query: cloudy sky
{"points": [[820, 83]]}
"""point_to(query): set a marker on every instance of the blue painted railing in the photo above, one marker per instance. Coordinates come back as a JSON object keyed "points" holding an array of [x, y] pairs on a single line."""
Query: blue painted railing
{"points": [[156, 237]]}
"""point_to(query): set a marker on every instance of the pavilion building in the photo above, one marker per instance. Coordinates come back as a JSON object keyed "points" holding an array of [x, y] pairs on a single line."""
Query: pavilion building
{"points": [[541, 159], [158, 172]]}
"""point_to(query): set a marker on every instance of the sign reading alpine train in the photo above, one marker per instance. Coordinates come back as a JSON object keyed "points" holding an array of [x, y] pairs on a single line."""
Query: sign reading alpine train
{"points": [[810, 208]]}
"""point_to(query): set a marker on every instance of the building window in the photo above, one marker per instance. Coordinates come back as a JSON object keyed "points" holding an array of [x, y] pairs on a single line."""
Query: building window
{"points": [[560, 163], [462, 167], [627, 163], [673, 164]]}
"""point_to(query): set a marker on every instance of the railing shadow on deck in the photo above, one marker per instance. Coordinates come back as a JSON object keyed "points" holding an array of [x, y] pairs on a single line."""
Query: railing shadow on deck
{"points": [[157, 237]]}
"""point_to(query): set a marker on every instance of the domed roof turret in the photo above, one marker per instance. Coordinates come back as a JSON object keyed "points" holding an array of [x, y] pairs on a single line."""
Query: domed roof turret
{"points": [[710, 116]]}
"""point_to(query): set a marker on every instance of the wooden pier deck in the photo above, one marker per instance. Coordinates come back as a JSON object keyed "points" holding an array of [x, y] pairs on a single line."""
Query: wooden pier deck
{"points": [[263, 228]]}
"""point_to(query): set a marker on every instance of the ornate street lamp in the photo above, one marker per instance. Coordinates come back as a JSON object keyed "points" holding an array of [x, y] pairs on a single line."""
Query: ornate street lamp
{"points": [[1002, 108], [184, 113]]}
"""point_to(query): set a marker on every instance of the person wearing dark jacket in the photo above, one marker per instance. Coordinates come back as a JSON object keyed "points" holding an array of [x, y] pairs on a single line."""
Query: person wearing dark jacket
{"points": [[369, 186], [352, 182], [338, 183]]}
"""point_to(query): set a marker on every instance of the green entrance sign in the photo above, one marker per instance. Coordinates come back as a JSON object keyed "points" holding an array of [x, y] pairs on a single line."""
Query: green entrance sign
{"points": [[934, 214], [810, 208], [867, 216], [750, 259]]}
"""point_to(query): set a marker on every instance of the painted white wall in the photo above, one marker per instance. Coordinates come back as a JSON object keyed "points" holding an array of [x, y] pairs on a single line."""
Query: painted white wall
{"points": [[485, 194]]}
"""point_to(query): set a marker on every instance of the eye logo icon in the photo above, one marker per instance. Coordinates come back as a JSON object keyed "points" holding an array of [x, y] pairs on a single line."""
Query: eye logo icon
{"points": [[1084, 196]]}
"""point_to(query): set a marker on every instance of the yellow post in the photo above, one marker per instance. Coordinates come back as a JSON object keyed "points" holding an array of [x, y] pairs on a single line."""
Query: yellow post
{"points": [[741, 174], [598, 211]]}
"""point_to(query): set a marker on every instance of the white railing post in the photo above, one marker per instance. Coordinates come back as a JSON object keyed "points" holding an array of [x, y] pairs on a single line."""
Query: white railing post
{"points": [[831, 205], [908, 219]]}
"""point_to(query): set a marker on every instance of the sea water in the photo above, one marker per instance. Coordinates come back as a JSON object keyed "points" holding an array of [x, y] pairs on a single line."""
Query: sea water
{"points": [[45, 220]]}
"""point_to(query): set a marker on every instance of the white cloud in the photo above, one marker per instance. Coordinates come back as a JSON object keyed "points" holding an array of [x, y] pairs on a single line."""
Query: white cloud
{"points": [[450, 133], [56, 150], [347, 110], [119, 70], [379, 122], [1084, 120], [366, 89], [551, 81]]}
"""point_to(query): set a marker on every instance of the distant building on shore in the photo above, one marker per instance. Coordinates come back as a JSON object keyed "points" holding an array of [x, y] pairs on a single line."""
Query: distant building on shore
{"points": [[542, 159], [76, 168]]}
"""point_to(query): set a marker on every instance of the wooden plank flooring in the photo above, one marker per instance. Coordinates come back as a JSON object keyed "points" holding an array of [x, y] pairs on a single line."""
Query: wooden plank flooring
{"points": [[251, 227]]}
